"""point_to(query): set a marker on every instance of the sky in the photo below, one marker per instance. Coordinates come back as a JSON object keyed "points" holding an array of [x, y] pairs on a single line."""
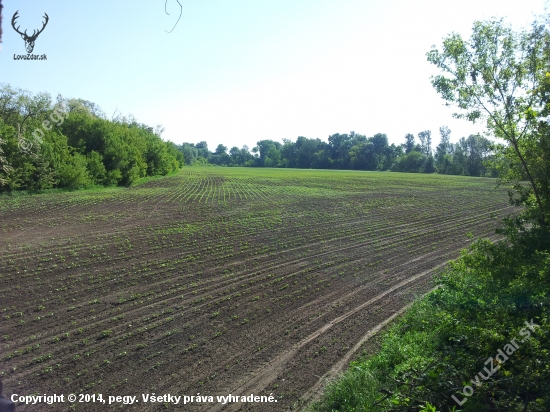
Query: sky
{"points": [[234, 72]]}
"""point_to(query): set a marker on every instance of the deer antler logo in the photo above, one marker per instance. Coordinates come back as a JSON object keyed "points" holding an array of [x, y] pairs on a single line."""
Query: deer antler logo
{"points": [[29, 40]]}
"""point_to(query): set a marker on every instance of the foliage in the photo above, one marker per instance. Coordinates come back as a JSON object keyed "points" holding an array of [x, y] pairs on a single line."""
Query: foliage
{"points": [[492, 76], [357, 152], [70, 144], [413, 162]]}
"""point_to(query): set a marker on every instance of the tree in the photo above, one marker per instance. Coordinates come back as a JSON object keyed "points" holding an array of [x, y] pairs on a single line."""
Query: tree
{"points": [[391, 154], [74, 174], [413, 162], [409, 143], [429, 165], [71, 144], [190, 152], [363, 156], [426, 142], [380, 143], [96, 168], [87, 107], [203, 149], [305, 151], [5, 168], [537, 154], [476, 149], [221, 149], [270, 153], [235, 156], [443, 148], [492, 77], [339, 149], [246, 156], [220, 156], [445, 143]]}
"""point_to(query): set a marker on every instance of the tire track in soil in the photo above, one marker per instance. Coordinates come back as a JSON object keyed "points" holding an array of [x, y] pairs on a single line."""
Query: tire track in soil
{"points": [[354, 292], [406, 262], [256, 274], [265, 375], [313, 391], [269, 372], [98, 342], [303, 373], [316, 391]]}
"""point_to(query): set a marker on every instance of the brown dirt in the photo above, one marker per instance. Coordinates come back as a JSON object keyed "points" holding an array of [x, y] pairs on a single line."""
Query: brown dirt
{"points": [[207, 283]]}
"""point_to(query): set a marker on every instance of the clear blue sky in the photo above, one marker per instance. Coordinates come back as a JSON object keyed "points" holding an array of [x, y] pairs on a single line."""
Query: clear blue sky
{"points": [[238, 71]]}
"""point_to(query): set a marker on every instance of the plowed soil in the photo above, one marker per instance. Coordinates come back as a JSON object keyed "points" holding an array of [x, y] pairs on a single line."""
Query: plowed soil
{"points": [[219, 281]]}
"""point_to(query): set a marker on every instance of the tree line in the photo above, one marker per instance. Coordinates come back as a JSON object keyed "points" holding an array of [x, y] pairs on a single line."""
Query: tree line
{"points": [[71, 144], [470, 156]]}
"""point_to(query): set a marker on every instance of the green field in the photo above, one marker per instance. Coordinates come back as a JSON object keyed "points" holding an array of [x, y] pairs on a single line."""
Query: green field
{"points": [[221, 280]]}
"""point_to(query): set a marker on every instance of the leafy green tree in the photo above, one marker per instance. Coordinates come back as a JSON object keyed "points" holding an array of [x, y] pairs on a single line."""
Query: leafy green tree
{"points": [[270, 154], [339, 148], [71, 144], [235, 156], [305, 151], [85, 107], [363, 156], [409, 143], [429, 164], [288, 154], [25, 110], [190, 152], [380, 145], [85, 133], [448, 165], [203, 149], [390, 155], [220, 156], [74, 173], [443, 148], [5, 168], [178, 158], [159, 161], [491, 76], [459, 160], [24, 167], [246, 156], [476, 149], [96, 168], [221, 149], [413, 162], [10, 104], [425, 142]]}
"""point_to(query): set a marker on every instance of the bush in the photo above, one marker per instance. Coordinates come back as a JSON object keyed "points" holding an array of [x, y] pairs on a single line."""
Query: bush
{"points": [[74, 174]]}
